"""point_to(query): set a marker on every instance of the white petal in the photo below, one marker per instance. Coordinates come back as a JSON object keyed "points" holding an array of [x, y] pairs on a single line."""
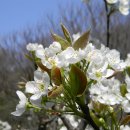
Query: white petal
{"points": [[46, 63], [112, 1], [20, 109], [46, 78], [38, 76], [109, 73], [36, 96], [40, 53], [31, 87], [36, 99], [32, 46], [75, 36], [55, 47], [128, 96], [18, 112], [21, 96], [124, 10]]}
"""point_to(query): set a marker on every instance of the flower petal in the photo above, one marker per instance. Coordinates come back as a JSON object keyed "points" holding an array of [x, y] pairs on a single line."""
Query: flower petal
{"points": [[31, 87], [21, 96]]}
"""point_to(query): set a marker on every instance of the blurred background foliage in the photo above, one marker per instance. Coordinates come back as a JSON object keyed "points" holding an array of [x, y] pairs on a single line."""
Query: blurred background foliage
{"points": [[14, 67]]}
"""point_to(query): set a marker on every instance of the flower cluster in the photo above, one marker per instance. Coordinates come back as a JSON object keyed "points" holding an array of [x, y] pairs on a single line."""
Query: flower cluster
{"points": [[71, 69], [124, 5]]}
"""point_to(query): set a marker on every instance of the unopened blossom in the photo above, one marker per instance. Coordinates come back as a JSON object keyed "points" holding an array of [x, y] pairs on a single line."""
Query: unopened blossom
{"points": [[124, 6], [20, 108], [33, 46]]}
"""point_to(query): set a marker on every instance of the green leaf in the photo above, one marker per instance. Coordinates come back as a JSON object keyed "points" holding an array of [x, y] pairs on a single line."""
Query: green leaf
{"points": [[78, 81], [82, 41], [123, 89], [64, 43], [66, 33], [128, 70], [125, 120], [56, 76], [56, 91]]}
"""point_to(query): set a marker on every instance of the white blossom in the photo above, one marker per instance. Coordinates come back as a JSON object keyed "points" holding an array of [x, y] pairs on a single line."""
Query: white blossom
{"points": [[98, 65], [106, 92], [113, 57], [54, 48], [124, 6], [20, 108], [66, 57], [33, 46], [38, 87]]}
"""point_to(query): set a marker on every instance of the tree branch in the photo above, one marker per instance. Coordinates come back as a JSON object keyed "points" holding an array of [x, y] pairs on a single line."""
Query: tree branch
{"points": [[66, 123], [82, 125]]}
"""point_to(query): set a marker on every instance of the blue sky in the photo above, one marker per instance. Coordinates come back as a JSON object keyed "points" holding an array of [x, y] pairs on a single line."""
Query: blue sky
{"points": [[17, 14]]}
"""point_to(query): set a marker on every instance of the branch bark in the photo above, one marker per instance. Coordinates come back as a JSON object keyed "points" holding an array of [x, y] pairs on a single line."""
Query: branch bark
{"points": [[66, 123], [108, 23]]}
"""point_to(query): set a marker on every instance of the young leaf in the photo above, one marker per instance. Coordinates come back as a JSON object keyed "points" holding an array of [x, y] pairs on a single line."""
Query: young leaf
{"points": [[66, 33], [56, 76], [82, 41], [56, 91], [78, 81], [128, 70], [123, 89], [64, 43], [125, 120]]}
